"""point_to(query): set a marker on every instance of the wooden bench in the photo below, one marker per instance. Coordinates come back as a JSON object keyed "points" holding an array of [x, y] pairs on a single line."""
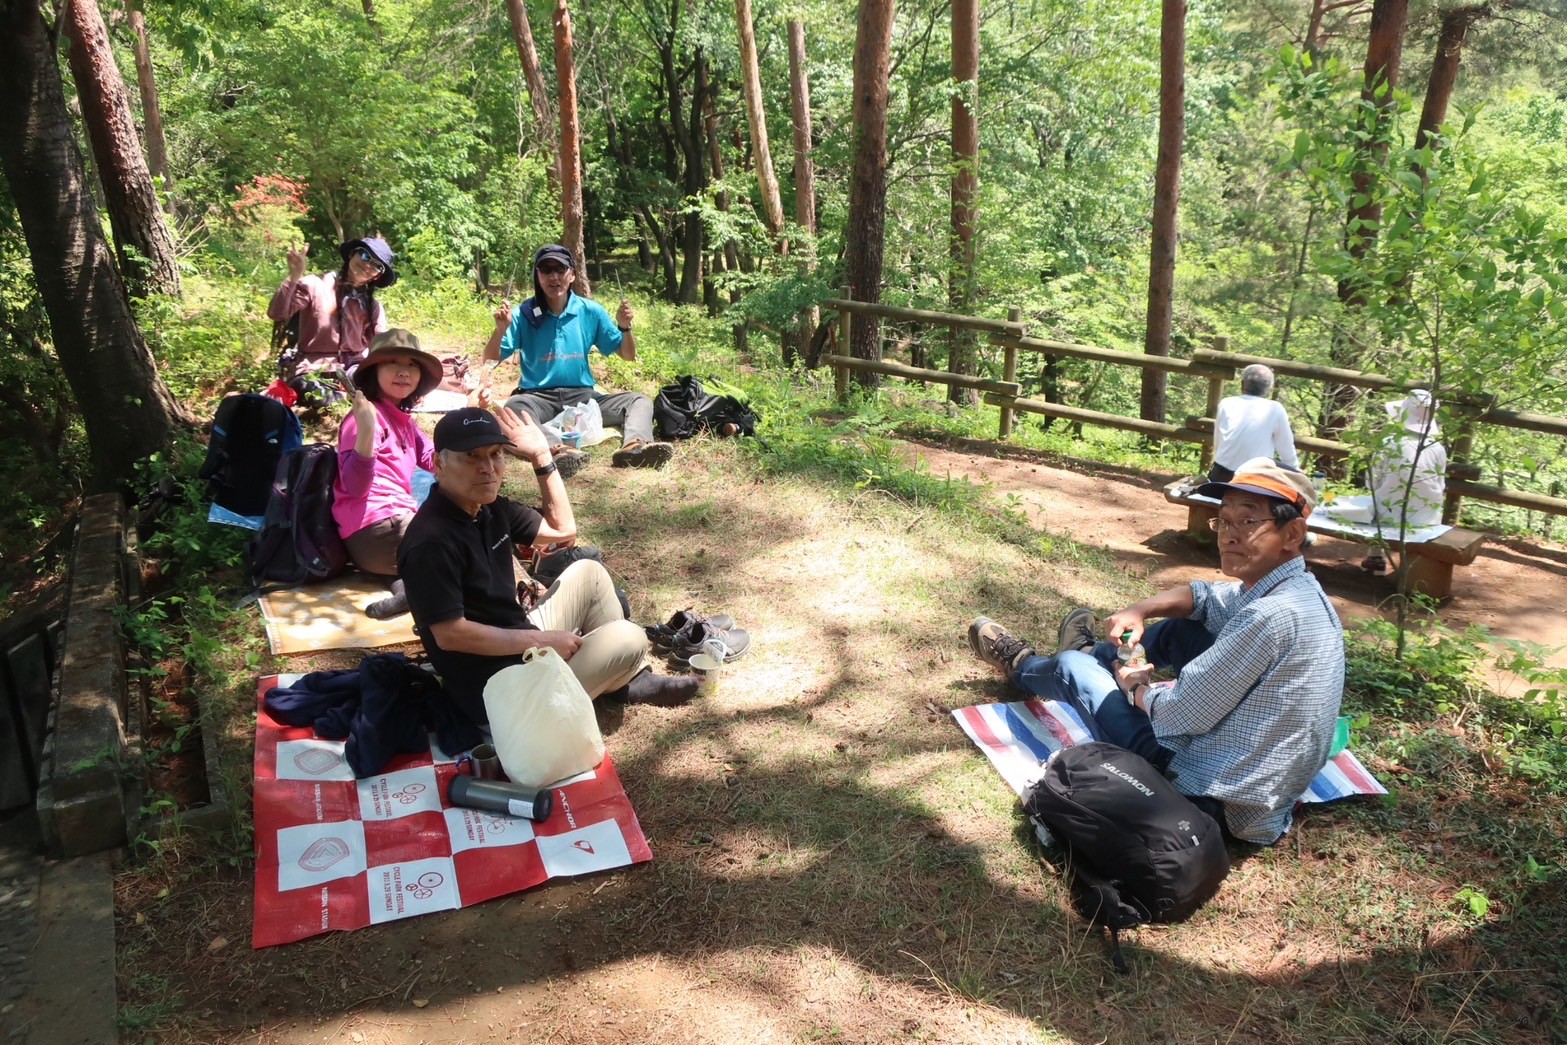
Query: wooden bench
{"points": [[1430, 563]]}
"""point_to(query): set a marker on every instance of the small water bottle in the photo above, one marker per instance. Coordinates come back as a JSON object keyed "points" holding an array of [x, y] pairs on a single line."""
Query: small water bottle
{"points": [[1133, 655], [499, 796]]}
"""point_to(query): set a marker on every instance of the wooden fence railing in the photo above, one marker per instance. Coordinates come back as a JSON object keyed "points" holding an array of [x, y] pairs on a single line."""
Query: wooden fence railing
{"points": [[1216, 365]]}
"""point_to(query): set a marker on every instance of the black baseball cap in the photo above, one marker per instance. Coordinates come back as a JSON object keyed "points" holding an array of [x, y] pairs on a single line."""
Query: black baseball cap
{"points": [[554, 252], [468, 429]]}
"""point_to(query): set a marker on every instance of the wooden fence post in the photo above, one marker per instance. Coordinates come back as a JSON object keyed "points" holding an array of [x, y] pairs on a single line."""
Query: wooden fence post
{"points": [[1463, 448], [1215, 393], [840, 374], [1009, 372]]}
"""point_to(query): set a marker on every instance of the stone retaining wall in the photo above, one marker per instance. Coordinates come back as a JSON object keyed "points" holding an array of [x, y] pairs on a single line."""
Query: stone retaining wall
{"points": [[82, 794]]}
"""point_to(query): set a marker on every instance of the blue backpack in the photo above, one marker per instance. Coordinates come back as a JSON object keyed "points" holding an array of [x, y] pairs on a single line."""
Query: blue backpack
{"points": [[250, 435]]}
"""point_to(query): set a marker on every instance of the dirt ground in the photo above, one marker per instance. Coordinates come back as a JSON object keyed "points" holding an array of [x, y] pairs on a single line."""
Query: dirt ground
{"points": [[1515, 588], [833, 860]]}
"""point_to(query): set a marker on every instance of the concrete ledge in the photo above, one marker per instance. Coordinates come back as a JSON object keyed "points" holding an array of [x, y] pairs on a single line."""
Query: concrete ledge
{"points": [[81, 796]]}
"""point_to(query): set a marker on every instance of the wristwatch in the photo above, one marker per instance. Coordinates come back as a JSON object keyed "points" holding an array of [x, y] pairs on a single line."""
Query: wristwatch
{"points": [[546, 470]]}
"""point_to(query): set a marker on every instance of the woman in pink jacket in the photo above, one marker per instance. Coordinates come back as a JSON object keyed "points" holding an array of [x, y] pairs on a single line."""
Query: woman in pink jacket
{"points": [[378, 448]]}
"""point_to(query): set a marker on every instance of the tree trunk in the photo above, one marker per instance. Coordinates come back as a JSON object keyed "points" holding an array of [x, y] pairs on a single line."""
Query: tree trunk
{"points": [[152, 113], [1456, 24], [804, 176], [141, 235], [370, 19], [965, 187], [756, 117], [538, 93], [570, 149], [868, 189], [1384, 52], [128, 411], [800, 109], [1166, 203], [729, 260]]}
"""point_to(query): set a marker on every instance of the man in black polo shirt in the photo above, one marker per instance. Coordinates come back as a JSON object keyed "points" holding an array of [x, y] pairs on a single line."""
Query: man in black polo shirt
{"points": [[456, 561]]}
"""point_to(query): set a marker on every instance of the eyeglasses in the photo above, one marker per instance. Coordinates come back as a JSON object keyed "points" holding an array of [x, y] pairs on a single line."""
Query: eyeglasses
{"points": [[551, 270], [364, 255], [1240, 527]]}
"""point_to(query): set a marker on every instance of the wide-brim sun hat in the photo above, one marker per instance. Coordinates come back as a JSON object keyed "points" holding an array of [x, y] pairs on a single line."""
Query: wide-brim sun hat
{"points": [[399, 342], [1265, 476], [378, 249], [1416, 412]]}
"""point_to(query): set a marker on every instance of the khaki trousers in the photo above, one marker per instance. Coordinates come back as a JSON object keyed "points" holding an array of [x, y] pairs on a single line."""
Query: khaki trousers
{"points": [[582, 600]]}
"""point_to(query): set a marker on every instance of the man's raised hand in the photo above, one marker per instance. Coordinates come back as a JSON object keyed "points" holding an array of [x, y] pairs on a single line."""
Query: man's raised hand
{"points": [[503, 316], [296, 262], [527, 438]]}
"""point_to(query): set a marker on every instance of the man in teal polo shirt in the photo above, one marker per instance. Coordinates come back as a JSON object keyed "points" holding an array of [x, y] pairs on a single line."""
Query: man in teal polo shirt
{"points": [[552, 333]]}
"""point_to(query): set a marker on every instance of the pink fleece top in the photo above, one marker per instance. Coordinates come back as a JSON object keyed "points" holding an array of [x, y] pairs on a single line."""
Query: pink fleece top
{"points": [[325, 336], [369, 489]]}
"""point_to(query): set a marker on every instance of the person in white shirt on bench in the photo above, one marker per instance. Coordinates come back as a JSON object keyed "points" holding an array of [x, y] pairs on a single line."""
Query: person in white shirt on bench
{"points": [[1251, 425]]}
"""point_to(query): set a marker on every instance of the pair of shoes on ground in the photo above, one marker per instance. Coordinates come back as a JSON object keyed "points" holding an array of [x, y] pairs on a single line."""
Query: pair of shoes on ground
{"points": [[1002, 650], [687, 633], [643, 454], [1377, 565]]}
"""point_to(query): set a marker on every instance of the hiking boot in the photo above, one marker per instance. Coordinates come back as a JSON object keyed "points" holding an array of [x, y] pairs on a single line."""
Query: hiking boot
{"points": [[666, 635], [394, 605], [997, 646], [643, 455], [569, 462], [1079, 631]]}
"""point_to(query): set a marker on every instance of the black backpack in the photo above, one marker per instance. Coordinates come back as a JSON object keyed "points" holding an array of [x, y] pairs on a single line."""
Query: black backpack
{"points": [[1139, 850], [298, 542], [685, 408], [250, 435]]}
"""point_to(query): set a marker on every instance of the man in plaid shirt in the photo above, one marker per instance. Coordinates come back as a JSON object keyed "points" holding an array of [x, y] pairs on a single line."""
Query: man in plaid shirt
{"points": [[1259, 664]]}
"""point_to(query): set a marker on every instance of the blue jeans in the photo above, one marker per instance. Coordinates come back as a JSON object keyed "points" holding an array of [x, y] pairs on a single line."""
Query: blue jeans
{"points": [[1087, 682]]}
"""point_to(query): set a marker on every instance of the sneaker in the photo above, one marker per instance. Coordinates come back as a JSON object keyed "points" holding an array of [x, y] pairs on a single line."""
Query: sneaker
{"points": [[569, 462], [1079, 631], [643, 455], [666, 635], [997, 646], [690, 642]]}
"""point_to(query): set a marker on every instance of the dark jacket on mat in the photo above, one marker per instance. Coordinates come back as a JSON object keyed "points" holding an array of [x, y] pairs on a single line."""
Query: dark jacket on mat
{"points": [[384, 708]]}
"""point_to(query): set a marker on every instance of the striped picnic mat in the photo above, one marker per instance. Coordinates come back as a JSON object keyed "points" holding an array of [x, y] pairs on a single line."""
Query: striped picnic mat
{"points": [[1020, 736]]}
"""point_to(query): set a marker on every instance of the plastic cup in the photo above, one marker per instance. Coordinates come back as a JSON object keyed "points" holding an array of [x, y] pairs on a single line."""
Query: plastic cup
{"points": [[709, 668]]}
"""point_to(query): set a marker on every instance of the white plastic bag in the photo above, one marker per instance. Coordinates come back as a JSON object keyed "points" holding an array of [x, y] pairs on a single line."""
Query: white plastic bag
{"points": [[580, 425], [542, 720]]}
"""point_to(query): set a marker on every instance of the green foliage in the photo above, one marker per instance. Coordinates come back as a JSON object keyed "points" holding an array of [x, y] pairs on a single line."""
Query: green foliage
{"points": [[1441, 676]]}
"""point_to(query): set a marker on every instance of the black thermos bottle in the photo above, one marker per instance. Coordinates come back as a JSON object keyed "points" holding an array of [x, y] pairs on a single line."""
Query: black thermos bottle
{"points": [[500, 796]]}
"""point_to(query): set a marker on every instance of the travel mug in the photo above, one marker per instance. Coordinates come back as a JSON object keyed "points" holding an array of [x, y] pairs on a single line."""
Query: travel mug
{"points": [[482, 762]]}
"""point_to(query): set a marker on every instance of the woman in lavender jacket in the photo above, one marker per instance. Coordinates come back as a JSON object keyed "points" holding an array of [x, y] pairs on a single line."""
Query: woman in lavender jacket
{"points": [[337, 312], [378, 448]]}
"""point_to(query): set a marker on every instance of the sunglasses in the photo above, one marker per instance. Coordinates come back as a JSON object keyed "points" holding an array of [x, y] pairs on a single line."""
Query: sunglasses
{"points": [[370, 259], [551, 270]]}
